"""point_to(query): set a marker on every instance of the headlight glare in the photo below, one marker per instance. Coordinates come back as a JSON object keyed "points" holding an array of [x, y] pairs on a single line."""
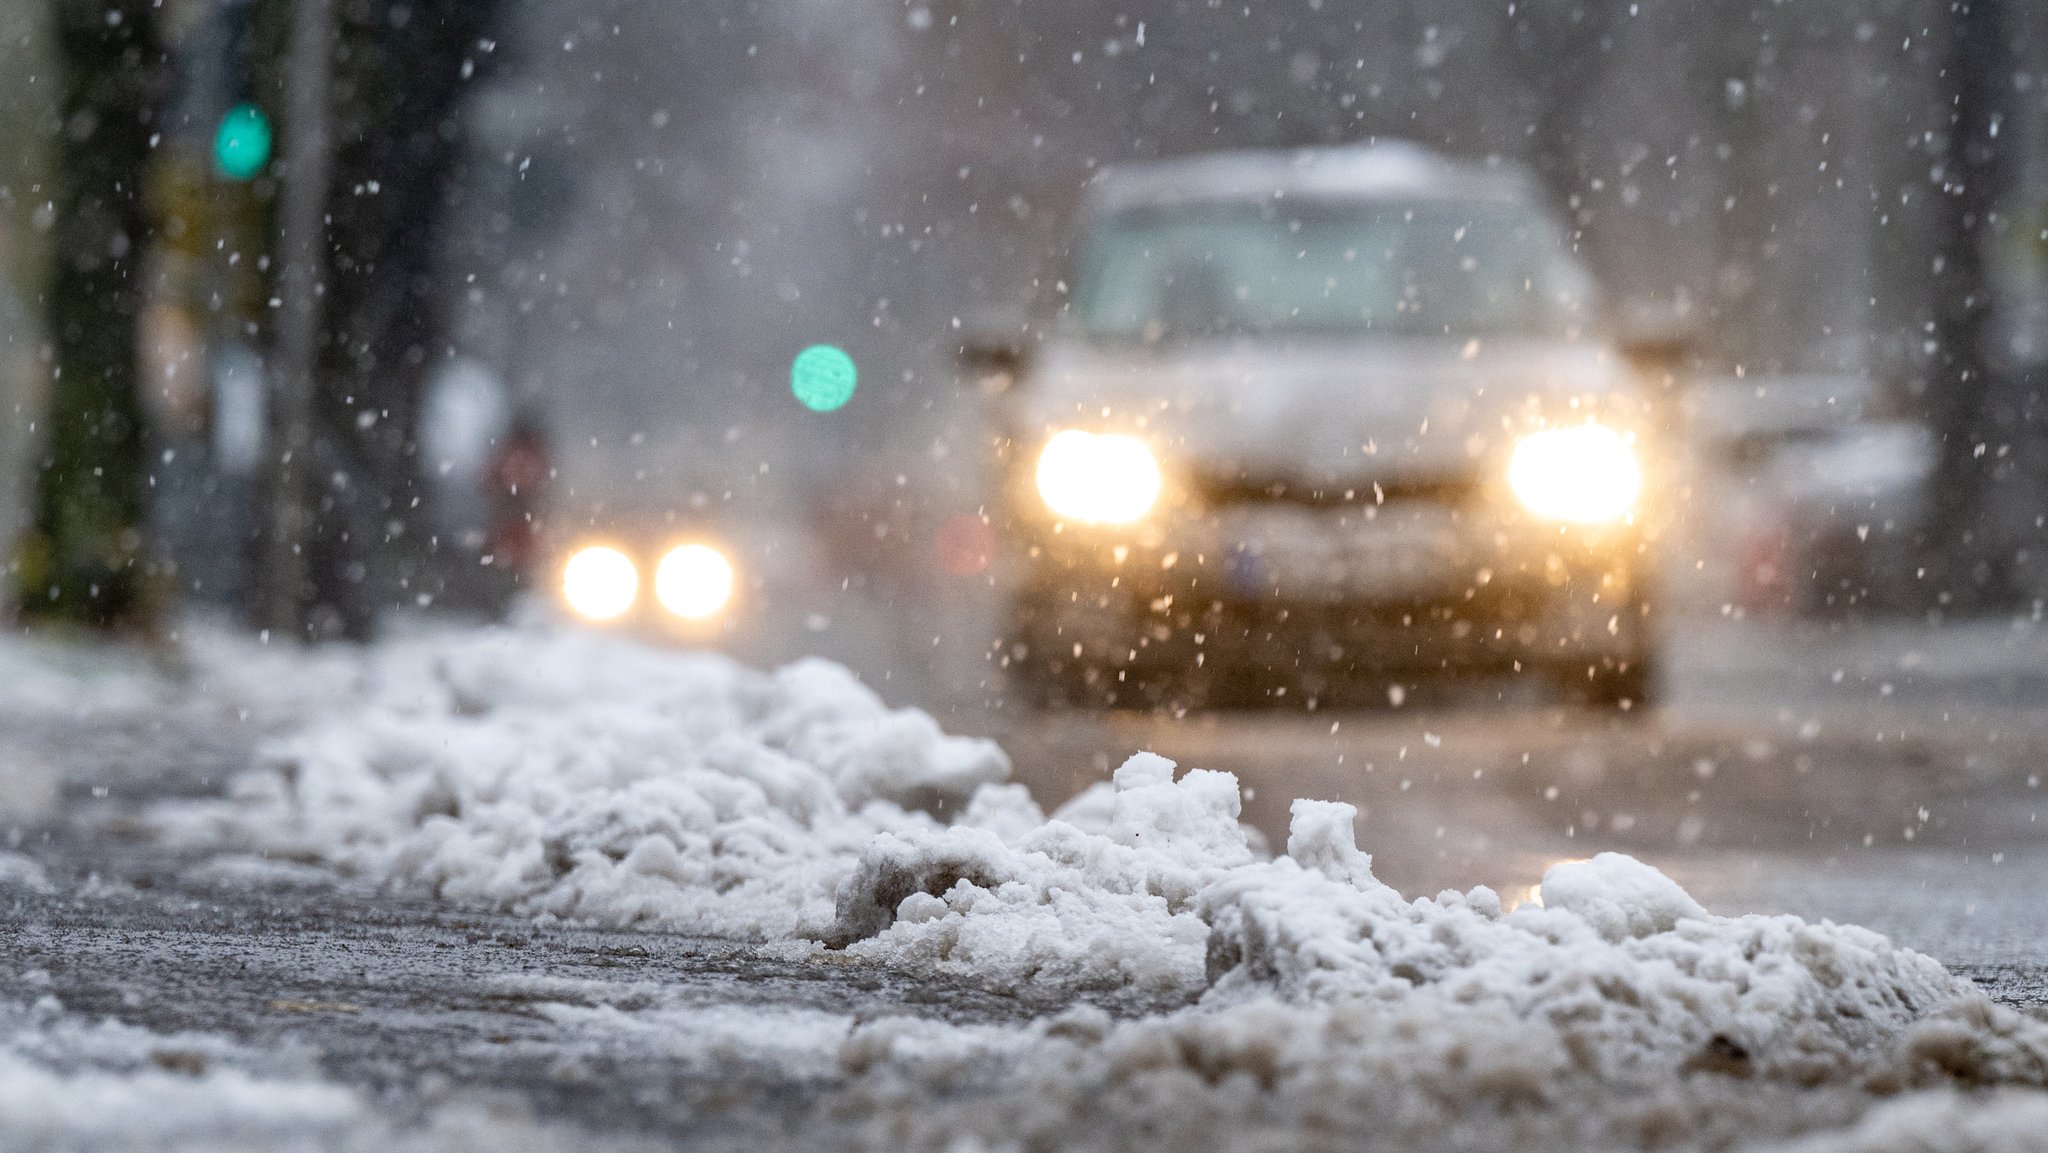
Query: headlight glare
{"points": [[600, 583], [693, 581], [1093, 478], [1584, 474]]}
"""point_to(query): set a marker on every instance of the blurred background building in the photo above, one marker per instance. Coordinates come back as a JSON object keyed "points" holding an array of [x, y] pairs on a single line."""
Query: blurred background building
{"points": [[621, 219]]}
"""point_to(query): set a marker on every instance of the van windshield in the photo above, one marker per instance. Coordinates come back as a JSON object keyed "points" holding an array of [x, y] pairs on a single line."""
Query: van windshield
{"points": [[1422, 267]]}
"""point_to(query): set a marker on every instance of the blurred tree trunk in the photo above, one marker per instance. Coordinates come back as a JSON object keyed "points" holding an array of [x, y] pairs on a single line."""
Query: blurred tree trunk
{"points": [[83, 560], [391, 133], [403, 70]]}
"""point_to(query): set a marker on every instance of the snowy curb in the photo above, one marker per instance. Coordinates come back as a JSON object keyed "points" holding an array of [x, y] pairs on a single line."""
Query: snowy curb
{"points": [[570, 776]]}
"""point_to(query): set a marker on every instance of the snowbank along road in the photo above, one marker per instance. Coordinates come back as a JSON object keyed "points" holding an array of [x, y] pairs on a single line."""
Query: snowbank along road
{"points": [[524, 889]]}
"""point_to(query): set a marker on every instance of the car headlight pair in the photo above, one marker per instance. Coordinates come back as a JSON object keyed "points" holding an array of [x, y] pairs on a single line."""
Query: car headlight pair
{"points": [[1583, 474], [692, 581]]}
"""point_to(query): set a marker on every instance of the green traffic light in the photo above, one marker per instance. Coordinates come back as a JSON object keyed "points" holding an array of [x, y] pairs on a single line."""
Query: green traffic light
{"points": [[241, 147], [822, 377]]}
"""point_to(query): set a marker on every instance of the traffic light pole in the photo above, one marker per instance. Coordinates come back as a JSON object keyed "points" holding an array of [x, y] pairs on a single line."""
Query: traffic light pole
{"points": [[302, 246]]}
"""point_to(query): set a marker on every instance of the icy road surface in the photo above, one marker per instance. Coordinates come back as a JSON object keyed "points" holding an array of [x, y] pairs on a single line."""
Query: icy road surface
{"points": [[314, 961]]}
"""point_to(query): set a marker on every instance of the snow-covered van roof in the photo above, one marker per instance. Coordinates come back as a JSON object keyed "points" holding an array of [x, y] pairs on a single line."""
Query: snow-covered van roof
{"points": [[1393, 168]]}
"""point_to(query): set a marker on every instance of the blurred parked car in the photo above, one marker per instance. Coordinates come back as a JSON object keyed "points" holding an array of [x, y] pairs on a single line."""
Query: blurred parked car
{"points": [[1812, 494], [1320, 420]]}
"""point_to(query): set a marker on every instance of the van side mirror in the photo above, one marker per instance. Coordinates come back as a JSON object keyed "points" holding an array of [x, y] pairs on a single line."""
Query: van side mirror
{"points": [[1661, 359], [1663, 347], [993, 348]]}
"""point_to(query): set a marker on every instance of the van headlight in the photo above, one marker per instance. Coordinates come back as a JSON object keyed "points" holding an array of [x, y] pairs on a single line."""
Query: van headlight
{"points": [[600, 582], [693, 581], [1098, 478], [1585, 474]]}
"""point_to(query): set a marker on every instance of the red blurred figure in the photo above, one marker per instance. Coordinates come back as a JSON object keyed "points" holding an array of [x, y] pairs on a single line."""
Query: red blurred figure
{"points": [[1766, 580], [966, 545], [517, 477]]}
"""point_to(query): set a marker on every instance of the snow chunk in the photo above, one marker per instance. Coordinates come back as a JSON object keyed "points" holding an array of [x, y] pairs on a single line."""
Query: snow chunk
{"points": [[1192, 821], [20, 872], [588, 777], [1091, 810], [1623, 972], [1618, 896], [1320, 837], [68, 1085], [826, 718], [1406, 1073], [1943, 1122], [1059, 905]]}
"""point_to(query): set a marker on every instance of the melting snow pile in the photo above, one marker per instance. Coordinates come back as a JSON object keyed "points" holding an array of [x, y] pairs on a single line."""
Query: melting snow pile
{"points": [[66, 1084], [587, 778], [72, 1086], [1618, 1013], [576, 777]]}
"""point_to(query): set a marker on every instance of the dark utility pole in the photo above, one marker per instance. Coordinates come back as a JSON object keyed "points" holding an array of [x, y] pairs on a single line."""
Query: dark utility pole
{"points": [[302, 247], [1967, 559], [84, 560]]}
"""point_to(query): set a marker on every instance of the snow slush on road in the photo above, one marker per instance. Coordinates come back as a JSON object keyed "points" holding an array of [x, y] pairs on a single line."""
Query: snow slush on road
{"points": [[1185, 988]]}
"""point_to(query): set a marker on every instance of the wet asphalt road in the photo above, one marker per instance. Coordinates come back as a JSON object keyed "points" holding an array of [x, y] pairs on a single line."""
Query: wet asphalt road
{"points": [[1889, 778], [416, 1003], [614, 1032]]}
